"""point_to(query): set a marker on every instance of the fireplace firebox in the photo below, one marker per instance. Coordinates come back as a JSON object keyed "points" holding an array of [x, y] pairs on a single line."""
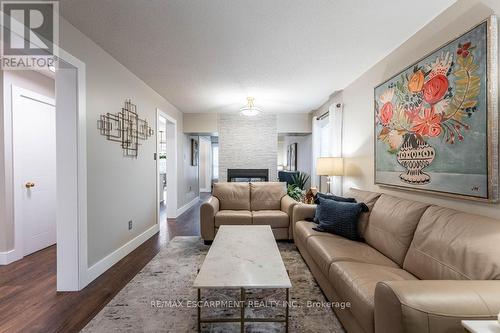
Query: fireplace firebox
{"points": [[247, 175]]}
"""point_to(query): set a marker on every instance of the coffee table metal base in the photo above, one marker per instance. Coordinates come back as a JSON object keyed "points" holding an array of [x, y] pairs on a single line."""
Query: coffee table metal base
{"points": [[242, 319]]}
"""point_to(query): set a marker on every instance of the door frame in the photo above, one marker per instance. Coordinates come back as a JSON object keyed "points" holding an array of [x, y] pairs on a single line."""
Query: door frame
{"points": [[17, 93], [72, 244], [71, 177], [172, 167]]}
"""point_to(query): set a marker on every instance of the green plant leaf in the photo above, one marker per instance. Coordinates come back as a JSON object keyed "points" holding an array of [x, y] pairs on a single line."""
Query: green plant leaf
{"points": [[300, 180]]}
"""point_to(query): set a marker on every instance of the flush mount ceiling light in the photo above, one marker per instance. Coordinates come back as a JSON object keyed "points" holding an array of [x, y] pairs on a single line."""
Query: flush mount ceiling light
{"points": [[250, 109]]}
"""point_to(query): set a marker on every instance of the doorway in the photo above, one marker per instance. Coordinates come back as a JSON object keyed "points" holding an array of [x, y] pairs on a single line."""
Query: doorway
{"points": [[34, 153], [205, 164], [166, 166], [43, 207], [70, 179]]}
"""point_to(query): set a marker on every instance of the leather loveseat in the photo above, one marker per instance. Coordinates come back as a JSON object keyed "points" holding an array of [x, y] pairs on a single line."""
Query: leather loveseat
{"points": [[422, 268], [235, 203]]}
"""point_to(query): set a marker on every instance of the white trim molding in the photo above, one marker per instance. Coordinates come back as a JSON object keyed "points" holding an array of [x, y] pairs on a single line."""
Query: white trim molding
{"points": [[8, 257], [190, 204], [107, 262], [71, 173]]}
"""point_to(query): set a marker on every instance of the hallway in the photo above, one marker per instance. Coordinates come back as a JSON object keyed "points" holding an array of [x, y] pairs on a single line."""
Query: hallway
{"points": [[29, 302]]}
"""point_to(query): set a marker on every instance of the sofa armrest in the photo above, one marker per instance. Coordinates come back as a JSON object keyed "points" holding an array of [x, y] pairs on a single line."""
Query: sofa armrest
{"points": [[303, 211], [434, 306], [287, 204], [207, 218]]}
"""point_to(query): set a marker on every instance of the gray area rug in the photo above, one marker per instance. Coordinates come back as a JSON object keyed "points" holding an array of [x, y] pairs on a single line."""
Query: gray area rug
{"points": [[159, 298]]}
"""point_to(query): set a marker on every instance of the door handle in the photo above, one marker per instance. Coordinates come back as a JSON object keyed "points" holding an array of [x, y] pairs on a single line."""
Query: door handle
{"points": [[29, 185]]}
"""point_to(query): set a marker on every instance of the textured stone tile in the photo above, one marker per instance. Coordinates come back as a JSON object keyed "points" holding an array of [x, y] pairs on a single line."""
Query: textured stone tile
{"points": [[248, 143]]}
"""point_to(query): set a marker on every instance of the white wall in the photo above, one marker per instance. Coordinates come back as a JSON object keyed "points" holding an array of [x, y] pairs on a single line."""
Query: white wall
{"points": [[358, 100], [38, 83], [285, 122], [119, 189], [200, 123], [294, 123]]}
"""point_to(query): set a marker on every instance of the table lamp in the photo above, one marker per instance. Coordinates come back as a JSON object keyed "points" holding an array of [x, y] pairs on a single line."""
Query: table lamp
{"points": [[330, 166]]}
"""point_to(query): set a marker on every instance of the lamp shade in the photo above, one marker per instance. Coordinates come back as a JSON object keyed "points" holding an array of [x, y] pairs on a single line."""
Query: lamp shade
{"points": [[330, 166]]}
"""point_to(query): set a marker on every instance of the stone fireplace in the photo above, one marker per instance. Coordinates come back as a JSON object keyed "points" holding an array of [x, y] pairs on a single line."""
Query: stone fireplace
{"points": [[248, 143]]}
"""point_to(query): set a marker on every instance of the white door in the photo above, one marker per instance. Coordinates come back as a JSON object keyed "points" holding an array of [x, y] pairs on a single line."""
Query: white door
{"points": [[34, 150]]}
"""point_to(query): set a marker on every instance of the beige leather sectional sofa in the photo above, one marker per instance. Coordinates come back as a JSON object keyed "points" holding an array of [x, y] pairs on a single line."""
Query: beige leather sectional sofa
{"points": [[245, 204], [423, 268]]}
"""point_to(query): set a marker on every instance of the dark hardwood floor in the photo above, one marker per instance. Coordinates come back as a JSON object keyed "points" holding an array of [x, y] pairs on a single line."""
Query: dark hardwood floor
{"points": [[28, 298]]}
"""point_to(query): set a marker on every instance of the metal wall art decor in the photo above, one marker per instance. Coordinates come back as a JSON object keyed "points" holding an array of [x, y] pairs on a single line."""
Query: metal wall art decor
{"points": [[126, 128], [436, 122]]}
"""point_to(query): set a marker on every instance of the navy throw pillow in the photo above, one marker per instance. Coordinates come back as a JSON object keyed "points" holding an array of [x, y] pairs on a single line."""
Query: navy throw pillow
{"points": [[340, 218], [331, 197], [328, 197]]}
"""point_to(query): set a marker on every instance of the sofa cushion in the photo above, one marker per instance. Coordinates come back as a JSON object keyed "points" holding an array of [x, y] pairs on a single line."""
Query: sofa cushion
{"points": [[355, 283], [452, 245], [266, 195], [340, 218], [232, 196], [326, 250], [304, 229], [392, 224], [369, 199], [274, 218], [230, 217]]}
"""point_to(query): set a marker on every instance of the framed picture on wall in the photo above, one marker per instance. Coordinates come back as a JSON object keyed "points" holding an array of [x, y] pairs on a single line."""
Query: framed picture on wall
{"points": [[292, 157], [436, 122], [194, 151]]}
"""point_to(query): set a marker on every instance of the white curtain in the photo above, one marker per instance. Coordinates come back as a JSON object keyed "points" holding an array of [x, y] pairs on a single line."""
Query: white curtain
{"points": [[335, 120], [327, 141], [321, 146]]}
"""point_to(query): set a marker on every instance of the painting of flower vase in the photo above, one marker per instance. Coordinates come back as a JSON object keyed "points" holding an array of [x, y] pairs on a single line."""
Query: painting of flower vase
{"points": [[436, 121]]}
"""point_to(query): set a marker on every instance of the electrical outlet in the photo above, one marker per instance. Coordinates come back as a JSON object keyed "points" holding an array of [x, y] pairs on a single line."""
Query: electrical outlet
{"points": [[130, 225]]}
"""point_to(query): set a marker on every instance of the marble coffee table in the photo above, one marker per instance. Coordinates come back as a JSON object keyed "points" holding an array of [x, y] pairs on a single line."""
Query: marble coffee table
{"points": [[243, 257]]}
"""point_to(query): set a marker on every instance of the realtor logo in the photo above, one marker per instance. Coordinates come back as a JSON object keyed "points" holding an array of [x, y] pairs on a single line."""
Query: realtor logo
{"points": [[30, 32]]}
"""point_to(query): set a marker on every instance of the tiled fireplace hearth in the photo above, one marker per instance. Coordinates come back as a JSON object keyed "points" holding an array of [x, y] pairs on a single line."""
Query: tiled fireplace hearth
{"points": [[247, 175]]}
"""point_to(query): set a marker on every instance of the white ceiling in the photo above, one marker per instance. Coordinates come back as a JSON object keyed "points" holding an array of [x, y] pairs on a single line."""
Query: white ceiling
{"points": [[208, 55]]}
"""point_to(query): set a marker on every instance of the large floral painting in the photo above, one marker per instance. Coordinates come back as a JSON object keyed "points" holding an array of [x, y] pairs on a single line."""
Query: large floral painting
{"points": [[435, 129]]}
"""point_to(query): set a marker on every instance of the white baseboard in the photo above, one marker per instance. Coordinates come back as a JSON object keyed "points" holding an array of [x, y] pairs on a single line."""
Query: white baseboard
{"points": [[205, 190], [106, 263], [8, 257], [187, 206]]}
